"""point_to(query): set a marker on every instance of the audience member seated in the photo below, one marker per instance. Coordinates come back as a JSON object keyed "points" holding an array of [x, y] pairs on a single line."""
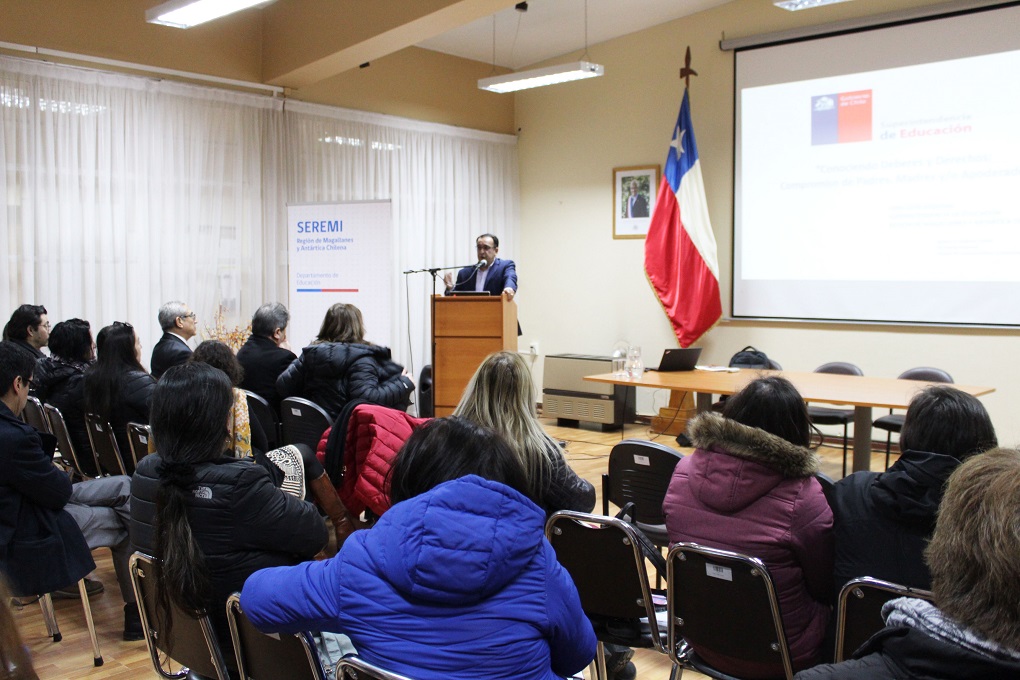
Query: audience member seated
{"points": [[117, 388], [266, 354], [29, 329], [60, 381], [210, 518], [501, 397], [249, 440], [882, 521], [456, 580], [49, 527], [749, 487], [340, 365], [179, 325], [972, 631]]}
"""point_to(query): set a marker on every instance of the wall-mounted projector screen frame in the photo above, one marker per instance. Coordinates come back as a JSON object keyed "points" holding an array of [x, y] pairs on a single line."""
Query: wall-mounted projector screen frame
{"points": [[877, 174]]}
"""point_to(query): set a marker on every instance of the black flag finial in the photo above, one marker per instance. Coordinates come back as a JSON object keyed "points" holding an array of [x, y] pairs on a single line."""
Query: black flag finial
{"points": [[686, 71]]}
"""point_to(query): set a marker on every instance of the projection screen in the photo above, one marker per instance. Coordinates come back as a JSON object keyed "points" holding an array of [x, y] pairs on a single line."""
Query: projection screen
{"points": [[877, 174]]}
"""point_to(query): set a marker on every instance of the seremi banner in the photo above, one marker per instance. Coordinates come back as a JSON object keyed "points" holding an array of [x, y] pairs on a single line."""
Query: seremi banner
{"points": [[340, 252]]}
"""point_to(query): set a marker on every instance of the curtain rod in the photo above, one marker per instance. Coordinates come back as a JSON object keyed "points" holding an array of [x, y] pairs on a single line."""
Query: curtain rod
{"points": [[45, 52]]}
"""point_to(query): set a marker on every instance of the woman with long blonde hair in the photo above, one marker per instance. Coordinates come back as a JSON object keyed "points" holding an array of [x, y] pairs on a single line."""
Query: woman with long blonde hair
{"points": [[501, 397]]}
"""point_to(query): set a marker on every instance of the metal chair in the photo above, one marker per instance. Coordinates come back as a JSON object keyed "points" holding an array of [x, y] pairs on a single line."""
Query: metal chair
{"points": [[724, 602], [859, 610], [53, 630], [193, 643], [356, 668], [104, 445], [605, 559], [826, 415], [303, 421], [34, 415], [260, 410], [894, 421], [139, 436], [265, 657], [66, 446], [639, 473]]}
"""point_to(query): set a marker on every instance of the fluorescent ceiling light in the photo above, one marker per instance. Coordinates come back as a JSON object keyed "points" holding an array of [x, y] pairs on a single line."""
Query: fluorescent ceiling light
{"points": [[794, 5], [188, 13], [538, 77]]}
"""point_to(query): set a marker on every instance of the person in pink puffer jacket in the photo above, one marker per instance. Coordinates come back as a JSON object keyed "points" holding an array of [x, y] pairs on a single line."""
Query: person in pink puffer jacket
{"points": [[749, 487]]}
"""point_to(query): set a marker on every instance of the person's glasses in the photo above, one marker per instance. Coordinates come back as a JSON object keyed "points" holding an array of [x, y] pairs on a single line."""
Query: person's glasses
{"points": [[44, 325], [188, 316]]}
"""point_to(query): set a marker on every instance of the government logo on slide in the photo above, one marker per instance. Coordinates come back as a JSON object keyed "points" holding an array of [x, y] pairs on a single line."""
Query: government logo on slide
{"points": [[839, 118]]}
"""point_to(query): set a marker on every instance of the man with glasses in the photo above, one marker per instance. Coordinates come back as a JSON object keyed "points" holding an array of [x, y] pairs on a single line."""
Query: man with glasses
{"points": [[498, 277], [29, 329], [179, 325]]}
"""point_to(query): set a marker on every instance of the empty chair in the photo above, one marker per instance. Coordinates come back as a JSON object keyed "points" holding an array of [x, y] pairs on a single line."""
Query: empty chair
{"points": [[826, 415], [34, 415], [356, 668], [639, 473], [606, 558], [302, 421], [894, 421], [139, 438], [193, 643], [266, 657], [859, 611], [84, 462], [723, 607], [104, 444], [260, 411]]}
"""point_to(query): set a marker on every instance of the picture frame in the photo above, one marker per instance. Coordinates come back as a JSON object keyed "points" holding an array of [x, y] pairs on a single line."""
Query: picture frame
{"points": [[631, 218]]}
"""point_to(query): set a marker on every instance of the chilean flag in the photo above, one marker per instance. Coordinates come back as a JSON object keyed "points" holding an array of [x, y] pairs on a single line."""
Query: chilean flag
{"points": [[680, 253]]}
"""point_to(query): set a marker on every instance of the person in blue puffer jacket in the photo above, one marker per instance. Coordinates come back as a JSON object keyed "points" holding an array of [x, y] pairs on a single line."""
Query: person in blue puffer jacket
{"points": [[456, 580]]}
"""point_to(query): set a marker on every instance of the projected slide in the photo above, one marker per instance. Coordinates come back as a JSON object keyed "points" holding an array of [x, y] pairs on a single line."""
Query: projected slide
{"points": [[889, 195]]}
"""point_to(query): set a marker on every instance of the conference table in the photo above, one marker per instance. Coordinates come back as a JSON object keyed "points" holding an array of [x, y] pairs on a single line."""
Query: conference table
{"points": [[861, 392]]}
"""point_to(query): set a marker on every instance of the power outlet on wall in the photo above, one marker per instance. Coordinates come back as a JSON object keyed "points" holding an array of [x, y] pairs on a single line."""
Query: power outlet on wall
{"points": [[533, 349]]}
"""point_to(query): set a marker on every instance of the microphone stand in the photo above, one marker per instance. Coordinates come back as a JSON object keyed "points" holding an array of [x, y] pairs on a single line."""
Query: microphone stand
{"points": [[434, 273]]}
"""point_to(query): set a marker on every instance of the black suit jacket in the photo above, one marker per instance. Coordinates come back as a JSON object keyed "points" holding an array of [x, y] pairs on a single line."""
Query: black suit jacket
{"points": [[170, 351], [263, 362], [41, 546]]}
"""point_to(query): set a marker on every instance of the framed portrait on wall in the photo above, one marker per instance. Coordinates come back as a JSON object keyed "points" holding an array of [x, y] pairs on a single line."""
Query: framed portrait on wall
{"points": [[634, 192]]}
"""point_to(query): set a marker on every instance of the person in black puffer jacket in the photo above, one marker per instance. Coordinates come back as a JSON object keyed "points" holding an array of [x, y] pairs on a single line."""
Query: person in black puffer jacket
{"points": [[59, 380], [116, 386], [972, 630], [227, 510], [341, 365], [882, 521]]}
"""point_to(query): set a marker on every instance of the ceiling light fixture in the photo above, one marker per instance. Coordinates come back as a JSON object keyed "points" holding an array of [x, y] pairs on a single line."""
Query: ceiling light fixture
{"points": [[794, 5], [188, 13], [539, 77], [551, 75]]}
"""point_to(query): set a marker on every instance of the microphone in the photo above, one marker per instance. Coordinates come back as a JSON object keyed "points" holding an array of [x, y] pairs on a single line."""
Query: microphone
{"points": [[482, 264]]}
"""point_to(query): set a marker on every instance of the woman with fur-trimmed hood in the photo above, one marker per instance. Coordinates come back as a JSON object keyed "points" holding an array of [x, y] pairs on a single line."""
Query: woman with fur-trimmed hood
{"points": [[749, 487]]}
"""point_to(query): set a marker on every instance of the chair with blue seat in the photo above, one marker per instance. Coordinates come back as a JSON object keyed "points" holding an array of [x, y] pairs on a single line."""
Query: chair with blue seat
{"points": [[826, 415], [893, 422]]}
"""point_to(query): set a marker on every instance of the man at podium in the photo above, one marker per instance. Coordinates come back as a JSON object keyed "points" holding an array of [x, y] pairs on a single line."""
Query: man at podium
{"points": [[497, 277]]}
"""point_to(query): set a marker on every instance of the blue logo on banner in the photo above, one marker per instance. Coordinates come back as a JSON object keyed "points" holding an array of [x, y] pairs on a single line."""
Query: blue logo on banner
{"points": [[320, 227]]}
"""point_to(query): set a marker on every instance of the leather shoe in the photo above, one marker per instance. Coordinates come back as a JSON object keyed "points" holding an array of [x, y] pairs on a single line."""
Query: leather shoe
{"points": [[71, 592]]}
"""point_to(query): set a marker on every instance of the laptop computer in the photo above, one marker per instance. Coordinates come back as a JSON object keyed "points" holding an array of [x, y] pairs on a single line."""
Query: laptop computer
{"points": [[679, 359]]}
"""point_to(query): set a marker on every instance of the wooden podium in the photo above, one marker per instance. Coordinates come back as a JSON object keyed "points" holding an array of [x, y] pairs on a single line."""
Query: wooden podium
{"points": [[465, 330]]}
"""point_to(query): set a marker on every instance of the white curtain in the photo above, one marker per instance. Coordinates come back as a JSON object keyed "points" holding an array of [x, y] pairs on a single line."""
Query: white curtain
{"points": [[123, 192], [447, 185]]}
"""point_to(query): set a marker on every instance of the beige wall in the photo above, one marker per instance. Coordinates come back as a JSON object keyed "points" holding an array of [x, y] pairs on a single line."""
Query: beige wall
{"points": [[582, 291]]}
